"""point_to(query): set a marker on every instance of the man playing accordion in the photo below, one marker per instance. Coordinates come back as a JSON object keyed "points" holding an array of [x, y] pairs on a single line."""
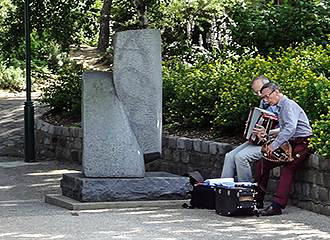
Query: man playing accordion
{"points": [[295, 129], [239, 159]]}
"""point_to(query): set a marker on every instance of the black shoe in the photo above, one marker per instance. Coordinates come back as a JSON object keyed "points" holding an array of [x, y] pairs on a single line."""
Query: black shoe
{"points": [[271, 211], [260, 204]]}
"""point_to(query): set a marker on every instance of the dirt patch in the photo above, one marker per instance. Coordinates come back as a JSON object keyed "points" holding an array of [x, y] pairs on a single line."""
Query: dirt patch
{"points": [[206, 134], [90, 58], [63, 120]]}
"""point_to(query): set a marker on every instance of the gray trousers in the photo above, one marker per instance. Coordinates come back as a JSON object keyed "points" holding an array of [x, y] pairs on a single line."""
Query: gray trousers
{"points": [[239, 160]]}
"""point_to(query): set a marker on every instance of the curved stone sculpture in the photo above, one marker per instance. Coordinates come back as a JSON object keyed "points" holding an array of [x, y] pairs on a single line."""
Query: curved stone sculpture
{"points": [[110, 147], [138, 82]]}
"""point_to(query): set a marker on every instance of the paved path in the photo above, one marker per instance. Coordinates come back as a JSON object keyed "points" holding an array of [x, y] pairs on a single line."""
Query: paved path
{"points": [[25, 216], [12, 123]]}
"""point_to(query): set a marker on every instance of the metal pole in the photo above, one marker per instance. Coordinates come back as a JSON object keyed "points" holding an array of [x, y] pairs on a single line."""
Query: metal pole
{"points": [[29, 151]]}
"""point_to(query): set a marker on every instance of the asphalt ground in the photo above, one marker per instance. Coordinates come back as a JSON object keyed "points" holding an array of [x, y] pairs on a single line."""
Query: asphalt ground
{"points": [[25, 215]]}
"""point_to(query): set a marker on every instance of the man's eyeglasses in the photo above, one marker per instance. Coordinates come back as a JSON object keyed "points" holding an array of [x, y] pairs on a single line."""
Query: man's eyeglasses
{"points": [[267, 95], [258, 93]]}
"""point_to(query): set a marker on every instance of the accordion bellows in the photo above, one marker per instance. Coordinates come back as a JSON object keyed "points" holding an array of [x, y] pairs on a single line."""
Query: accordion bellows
{"points": [[260, 117]]}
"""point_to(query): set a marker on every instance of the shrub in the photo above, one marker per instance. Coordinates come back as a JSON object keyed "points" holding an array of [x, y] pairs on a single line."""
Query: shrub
{"points": [[304, 76], [60, 21], [63, 94], [189, 94], [11, 78], [267, 25], [321, 135], [217, 93]]}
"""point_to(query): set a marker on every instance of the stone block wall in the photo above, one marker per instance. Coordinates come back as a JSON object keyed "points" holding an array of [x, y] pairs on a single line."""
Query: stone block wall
{"points": [[182, 155], [311, 188], [56, 142]]}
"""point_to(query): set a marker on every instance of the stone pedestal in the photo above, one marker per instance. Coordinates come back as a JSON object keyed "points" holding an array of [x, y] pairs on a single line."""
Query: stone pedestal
{"points": [[154, 186]]}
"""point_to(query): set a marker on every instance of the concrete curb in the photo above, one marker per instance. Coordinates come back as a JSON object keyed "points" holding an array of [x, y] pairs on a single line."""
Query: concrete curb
{"points": [[71, 204]]}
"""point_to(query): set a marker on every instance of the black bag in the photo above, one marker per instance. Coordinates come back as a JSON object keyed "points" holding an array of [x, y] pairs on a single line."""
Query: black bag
{"points": [[235, 201], [195, 177], [202, 197]]}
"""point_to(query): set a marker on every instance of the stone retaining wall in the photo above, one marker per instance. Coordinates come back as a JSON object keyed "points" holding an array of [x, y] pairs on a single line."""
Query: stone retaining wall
{"points": [[56, 142], [311, 189], [181, 155]]}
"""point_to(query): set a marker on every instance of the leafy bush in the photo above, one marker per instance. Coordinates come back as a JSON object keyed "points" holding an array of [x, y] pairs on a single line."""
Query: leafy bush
{"points": [[209, 94], [218, 93], [63, 94], [303, 74], [321, 135], [187, 25], [5, 6], [257, 25], [267, 25], [46, 59], [59, 21], [11, 78]]}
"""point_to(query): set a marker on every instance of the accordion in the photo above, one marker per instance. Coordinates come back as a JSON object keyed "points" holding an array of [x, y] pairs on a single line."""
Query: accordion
{"points": [[280, 154], [260, 117]]}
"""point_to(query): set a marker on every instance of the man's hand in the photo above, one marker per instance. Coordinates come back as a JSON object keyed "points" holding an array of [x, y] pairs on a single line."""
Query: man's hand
{"points": [[269, 150], [260, 132]]}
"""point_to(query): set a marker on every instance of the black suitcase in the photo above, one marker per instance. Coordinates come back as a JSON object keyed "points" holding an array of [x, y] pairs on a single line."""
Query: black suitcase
{"points": [[203, 196], [235, 201]]}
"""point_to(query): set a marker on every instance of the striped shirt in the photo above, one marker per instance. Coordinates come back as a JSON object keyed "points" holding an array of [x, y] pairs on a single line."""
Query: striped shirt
{"points": [[293, 122]]}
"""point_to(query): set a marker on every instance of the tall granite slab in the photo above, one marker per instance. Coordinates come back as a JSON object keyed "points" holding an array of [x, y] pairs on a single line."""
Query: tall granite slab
{"points": [[138, 82], [110, 147]]}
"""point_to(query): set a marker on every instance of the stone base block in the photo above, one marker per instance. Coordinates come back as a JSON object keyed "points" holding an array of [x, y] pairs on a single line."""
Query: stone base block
{"points": [[154, 186]]}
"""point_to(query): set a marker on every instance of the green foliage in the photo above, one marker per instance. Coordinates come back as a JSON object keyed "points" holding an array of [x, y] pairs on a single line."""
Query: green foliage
{"points": [[5, 7], [11, 78], [303, 74], [124, 15], [47, 58], [186, 25], [321, 135], [215, 94], [64, 22], [218, 93], [63, 94], [238, 24], [269, 26]]}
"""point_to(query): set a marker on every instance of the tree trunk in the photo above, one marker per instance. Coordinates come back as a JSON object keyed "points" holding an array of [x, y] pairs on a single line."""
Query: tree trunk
{"points": [[104, 33], [141, 7]]}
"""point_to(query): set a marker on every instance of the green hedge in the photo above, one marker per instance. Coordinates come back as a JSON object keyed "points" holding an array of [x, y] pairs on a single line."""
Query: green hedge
{"points": [[11, 78], [321, 131], [218, 94], [268, 25], [63, 93]]}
